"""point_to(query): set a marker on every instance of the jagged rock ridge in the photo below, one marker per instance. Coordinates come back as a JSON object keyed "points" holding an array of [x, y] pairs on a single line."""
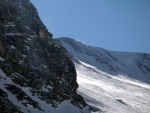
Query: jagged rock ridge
{"points": [[36, 75]]}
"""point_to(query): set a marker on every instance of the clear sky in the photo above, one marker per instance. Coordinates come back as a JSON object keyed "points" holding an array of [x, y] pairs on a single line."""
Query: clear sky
{"points": [[119, 25]]}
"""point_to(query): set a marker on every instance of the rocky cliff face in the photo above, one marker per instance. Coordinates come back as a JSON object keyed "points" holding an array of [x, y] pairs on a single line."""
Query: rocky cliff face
{"points": [[34, 71]]}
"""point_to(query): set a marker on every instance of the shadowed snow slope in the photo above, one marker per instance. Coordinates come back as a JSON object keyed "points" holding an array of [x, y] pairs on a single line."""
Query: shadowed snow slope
{"points": [[115, 82]]}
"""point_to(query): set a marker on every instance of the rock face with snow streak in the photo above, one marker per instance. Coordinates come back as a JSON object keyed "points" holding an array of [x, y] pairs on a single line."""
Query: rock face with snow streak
{"points": [[36, 75]]}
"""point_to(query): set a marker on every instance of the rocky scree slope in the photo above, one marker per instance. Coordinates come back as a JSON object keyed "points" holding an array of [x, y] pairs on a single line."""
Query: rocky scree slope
{"points": [[36, 75]]}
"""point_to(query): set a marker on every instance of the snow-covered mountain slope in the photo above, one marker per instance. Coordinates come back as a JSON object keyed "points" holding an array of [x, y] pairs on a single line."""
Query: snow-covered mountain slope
{"points": [[115, 82]]}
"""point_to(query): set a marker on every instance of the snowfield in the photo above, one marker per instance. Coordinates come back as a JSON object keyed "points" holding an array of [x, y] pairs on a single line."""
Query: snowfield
{"points": [[112, 94], [114, 82]]}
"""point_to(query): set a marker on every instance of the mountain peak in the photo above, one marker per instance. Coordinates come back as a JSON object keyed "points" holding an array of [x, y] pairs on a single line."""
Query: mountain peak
{"points": [[36, 75]]}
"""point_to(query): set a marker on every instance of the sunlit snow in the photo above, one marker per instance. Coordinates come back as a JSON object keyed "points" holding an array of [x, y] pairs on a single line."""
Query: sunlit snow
{"points": [[114, 82]]}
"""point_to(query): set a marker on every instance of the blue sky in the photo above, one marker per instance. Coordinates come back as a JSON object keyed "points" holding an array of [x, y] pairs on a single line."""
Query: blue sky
{"points": [[119, 25]]}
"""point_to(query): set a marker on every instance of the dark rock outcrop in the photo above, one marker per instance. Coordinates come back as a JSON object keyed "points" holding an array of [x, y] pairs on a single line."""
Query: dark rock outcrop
{"points": [[31, 58]]}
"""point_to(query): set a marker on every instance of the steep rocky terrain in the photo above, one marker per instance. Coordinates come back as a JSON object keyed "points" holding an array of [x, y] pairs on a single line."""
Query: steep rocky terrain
{"points": [[115, 82], [36, 75]]}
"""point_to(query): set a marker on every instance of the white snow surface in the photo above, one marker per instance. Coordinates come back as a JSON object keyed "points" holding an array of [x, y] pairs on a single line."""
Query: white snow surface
{"points": [[12, 47], [13, 34], [111, 81], [112, 94], [2, 59], [10, 24]]}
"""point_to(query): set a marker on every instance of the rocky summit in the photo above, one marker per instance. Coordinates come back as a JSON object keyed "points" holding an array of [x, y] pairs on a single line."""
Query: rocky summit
{"points": [[36, 74]]}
